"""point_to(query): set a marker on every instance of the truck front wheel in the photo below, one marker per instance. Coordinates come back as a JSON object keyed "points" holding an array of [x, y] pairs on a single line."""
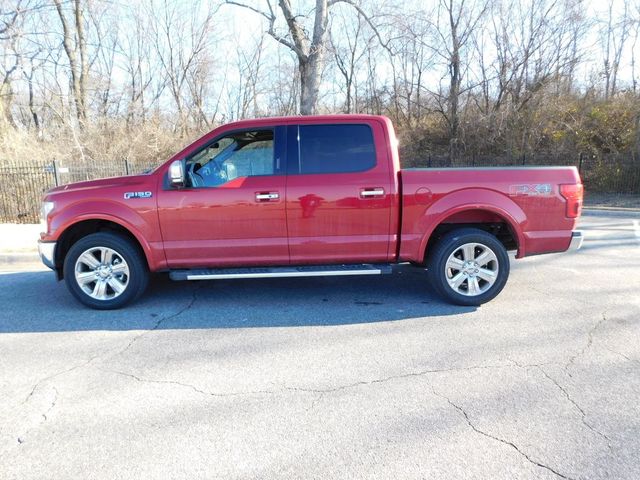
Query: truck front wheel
{"points": [[468, 266], [105, 271]]}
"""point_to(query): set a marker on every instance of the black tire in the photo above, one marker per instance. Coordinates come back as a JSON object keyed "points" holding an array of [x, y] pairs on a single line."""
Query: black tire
{"points": [[125, 253], [478, 241]]}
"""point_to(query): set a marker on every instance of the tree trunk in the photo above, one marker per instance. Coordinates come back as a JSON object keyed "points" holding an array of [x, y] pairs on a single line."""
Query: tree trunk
{"points": [[310, 69], [84, 65], [6, 97], [454, 89], [6, 94], [32, 108], [79, 72]]}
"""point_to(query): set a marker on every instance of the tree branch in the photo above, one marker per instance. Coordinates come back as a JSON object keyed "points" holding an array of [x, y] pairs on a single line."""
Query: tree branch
{"points": [[368, 19], [271, 18]]}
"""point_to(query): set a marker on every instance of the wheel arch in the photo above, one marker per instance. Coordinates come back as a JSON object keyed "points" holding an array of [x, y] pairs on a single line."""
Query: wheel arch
{"points": [[489, 212], [81, 228]]}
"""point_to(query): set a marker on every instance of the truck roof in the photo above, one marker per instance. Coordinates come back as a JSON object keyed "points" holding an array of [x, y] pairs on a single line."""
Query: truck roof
{"points": [[334, 118]]}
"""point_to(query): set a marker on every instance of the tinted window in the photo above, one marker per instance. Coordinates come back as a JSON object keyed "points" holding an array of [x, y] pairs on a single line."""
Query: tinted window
{"points": [[336, 148]]}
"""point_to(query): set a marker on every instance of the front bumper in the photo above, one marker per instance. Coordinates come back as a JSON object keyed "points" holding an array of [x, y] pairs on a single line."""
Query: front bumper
{"points": [[576, 240], [47, 251]]}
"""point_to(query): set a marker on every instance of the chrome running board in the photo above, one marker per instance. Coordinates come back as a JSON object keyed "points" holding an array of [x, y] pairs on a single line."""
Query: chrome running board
{"points": [[275, 272]]}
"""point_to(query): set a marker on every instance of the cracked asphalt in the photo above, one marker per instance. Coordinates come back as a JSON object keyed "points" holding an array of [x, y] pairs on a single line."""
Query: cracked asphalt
{"points": [[331, 377]]}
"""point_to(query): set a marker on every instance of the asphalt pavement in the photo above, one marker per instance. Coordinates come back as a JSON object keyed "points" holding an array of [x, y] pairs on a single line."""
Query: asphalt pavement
{"points": [[338, 377]]}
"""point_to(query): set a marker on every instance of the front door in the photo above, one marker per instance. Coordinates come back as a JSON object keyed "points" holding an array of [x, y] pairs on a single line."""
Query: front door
{"points": [[232, 211]]}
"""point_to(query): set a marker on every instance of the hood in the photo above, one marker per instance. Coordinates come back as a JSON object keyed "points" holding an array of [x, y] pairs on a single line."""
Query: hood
{"points": [[101, 184]]}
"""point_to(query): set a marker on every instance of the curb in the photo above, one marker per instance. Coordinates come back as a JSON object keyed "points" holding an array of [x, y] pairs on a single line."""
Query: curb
{"points": [[611, 212], [10, 258]]}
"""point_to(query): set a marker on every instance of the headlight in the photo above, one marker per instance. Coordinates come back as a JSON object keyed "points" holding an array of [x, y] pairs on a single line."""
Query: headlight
{"points": [[47, 207]]}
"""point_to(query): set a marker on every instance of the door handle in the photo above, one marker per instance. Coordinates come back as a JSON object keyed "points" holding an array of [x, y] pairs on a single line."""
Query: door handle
{"points": [[267, 196], [371, 192]]}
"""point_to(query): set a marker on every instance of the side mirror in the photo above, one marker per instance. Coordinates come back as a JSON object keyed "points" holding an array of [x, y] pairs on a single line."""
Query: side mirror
{"points": [[177, 177]]}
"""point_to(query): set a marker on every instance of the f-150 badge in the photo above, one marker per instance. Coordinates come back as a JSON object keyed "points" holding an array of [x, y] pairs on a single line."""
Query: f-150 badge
{"points": [[128, 195], [535, 190]]}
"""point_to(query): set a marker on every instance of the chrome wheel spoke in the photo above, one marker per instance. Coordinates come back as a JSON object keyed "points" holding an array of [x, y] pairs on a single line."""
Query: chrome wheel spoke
{"points": [[473, 286], [485, 257], [455, 263], [487, 275], [116, 285], [89, 260], [119, 268], [107, 256], [468, 252], [100, 290], [86, 277], [457, 280]]}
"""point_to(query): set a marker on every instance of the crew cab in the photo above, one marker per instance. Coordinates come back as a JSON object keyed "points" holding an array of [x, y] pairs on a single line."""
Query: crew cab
{"points": [[305, 196]]}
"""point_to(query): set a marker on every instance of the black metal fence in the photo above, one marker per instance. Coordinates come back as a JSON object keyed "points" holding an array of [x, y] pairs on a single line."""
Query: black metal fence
{"points": [[23, 184], [612, 175], [611, 180]]}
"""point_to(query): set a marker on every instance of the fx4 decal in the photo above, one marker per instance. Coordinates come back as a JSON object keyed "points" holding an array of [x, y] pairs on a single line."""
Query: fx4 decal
{"points": [[534, 190]]}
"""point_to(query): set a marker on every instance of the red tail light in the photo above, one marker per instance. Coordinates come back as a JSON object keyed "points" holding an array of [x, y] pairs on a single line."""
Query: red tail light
{"points": [[573, 194]]}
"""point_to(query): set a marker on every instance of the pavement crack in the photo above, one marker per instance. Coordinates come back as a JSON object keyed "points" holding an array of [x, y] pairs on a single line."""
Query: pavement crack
{"points": [[498, 439], [54, 375], [44, 416], [577, 407], [160, 321], [320, 392], [587, 346], [389, 378], [620, 354], [186, 385], [52, 405]]}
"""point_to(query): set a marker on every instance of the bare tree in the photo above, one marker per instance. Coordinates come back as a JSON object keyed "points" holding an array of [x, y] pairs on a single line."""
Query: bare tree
{"points": [[181, 41], [615, 34], [10, 31], [29, 73], [311, 49], [456, 22], [349, 46], [74, 40], [145, 83]]}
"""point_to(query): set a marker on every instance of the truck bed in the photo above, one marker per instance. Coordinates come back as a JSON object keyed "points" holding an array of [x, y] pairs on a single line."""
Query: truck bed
{"points": [[526, 199]]}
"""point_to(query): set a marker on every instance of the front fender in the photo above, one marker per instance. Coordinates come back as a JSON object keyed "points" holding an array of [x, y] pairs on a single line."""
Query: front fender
{"points": [[141, 222]]}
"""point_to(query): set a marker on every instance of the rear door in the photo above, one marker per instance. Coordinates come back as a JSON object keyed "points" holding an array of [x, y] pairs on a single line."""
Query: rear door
{"points": [[339, 193]]}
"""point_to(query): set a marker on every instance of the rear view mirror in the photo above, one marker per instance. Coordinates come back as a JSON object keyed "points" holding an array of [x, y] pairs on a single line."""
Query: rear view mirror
{"points": [[177, 174]]}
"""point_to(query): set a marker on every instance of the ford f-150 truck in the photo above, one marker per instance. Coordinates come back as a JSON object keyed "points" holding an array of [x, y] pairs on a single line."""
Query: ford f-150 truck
{"points": [[305, 196]]}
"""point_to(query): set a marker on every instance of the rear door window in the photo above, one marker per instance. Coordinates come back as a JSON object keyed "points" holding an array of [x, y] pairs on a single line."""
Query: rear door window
{"points": [[342, 148]]}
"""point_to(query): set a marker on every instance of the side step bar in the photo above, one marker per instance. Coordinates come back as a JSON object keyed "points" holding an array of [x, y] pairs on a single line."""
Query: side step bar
{"points": [[273, 272]]}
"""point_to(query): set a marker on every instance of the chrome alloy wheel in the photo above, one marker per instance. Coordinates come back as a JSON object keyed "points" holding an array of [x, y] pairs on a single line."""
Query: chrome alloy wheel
{"points": [[102, 273], [471, 269]]}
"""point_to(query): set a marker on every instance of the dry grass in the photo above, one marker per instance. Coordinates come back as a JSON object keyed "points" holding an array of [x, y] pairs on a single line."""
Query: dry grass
{"points": [[147, 144]]}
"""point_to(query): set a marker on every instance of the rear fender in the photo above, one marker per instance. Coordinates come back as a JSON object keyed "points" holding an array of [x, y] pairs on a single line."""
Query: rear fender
{"points": [[474, 199]]}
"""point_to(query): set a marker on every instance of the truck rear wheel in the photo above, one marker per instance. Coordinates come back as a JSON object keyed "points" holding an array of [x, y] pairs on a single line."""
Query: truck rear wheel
{"points": [[468, 266], [105, 271]]}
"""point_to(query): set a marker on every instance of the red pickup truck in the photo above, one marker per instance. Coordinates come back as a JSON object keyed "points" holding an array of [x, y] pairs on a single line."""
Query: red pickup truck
{"points": [[305, 196]]}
